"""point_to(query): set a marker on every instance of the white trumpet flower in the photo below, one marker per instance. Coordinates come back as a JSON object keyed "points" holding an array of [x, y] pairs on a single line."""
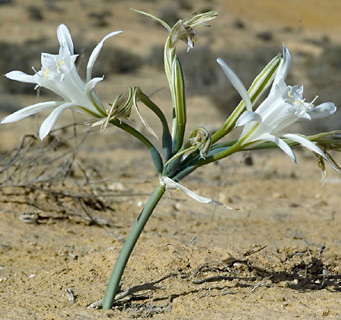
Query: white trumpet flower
{"points": [[283, 107], [59, 74]]}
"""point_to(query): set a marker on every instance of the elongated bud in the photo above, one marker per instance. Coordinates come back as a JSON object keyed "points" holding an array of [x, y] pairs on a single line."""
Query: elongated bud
{"points": [[179, 103]]}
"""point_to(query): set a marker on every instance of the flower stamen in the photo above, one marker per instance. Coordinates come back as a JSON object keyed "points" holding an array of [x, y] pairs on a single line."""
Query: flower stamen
{"points": [[47, 70], [312, 102]]}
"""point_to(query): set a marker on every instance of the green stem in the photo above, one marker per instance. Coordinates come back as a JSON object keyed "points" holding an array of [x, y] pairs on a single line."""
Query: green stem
{"points": [[180, 154], [153, 151], [129, 245], [212, 156]]}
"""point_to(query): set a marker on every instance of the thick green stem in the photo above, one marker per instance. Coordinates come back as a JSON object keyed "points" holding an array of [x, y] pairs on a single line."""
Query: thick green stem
{"points": [[129, 245]]}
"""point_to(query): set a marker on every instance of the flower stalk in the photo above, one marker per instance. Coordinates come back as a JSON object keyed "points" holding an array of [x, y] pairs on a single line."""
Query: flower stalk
{"points": [[129, 245]]}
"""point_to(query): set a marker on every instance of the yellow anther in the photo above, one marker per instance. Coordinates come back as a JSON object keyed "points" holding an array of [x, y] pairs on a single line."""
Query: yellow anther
{"points": [[58, 63], [46, 72], [291, 95]]}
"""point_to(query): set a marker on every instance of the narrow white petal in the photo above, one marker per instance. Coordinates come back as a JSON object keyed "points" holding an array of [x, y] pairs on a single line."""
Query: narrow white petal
{"points": [[281, 144], [286, 62], [310, 145], [171, 184], [49, 122], [323, 110], [30, 110], [20, 76], [91, 94], [64, 38], [236, 82], [284, 66], [95, 54], [247, 117], [305, 142], [92, 83]]}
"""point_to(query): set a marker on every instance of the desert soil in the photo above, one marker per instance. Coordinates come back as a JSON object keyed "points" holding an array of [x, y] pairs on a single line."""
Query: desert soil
{"points": [[276, 255]]}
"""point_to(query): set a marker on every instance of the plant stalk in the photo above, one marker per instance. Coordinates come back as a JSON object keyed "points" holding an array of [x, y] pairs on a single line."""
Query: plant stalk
{"points": [[129, 245]]}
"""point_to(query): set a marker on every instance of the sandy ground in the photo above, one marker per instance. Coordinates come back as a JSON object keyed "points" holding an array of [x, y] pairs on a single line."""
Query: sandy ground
{"points": [[276, 255]]}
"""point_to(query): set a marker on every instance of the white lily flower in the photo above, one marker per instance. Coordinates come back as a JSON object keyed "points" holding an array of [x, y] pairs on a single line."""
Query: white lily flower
{"points": [[283, 107], [59, 74]]}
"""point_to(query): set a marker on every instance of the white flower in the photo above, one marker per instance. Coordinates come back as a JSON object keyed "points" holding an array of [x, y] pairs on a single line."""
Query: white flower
{"points": [[59, 74], [283, 107]]}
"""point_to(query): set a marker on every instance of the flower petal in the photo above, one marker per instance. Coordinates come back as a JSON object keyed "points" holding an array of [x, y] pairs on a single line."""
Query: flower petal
{"points": [[92, 83], [310, 145], [248, 116], [95, 54], [281, 144], [20, 76], [323, 110], [283, 68], [49, 122], [304, 142], [30, 110], [236, 82], [64, 38], [92, 95]]}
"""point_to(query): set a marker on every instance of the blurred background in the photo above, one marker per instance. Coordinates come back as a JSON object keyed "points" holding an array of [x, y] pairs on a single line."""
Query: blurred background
{"points": [[246, 34]]}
